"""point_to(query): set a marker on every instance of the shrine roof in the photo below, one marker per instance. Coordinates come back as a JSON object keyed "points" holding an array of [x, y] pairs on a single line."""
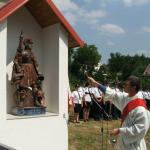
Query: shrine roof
{"points": [[45, 12]]}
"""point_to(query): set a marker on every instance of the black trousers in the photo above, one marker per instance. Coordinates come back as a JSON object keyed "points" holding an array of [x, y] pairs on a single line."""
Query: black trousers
{"points": [[96, 112]]}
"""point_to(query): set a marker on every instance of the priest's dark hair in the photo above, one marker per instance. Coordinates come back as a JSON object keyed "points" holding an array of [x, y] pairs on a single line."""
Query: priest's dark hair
{"points": [[134, 82]]}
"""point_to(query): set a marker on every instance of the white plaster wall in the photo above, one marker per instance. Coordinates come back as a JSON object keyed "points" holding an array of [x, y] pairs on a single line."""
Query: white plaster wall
{"points": [[50, 46], [45, 133], [63, 72], [51, 67], [19, 21], [3, 48], [55, 52]]}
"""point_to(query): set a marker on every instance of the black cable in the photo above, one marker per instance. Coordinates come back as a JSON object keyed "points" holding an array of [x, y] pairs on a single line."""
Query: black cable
{"points": [[102, 131], [113, 141], [104, 112]]}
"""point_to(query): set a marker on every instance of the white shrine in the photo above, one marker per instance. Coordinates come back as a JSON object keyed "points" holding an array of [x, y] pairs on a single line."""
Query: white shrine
{"points": [[52, 35]]}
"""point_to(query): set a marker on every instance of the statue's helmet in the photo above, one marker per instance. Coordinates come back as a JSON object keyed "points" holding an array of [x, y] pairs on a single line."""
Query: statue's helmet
{"points": [[27, 42]]}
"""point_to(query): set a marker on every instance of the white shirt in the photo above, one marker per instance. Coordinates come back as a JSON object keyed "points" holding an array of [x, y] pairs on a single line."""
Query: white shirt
{"points": [[146, 94], [81, 91], [76, 97], [97, 93], [87, 97], [135, 125]]}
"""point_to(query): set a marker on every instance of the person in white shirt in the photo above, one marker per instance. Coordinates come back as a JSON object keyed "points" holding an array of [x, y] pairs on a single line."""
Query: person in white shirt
{"points": [[135, 116], [86, 102], [97, 96], [76, 99], [146, 96]]}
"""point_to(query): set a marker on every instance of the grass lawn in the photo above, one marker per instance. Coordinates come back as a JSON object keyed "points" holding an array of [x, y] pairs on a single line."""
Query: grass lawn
{"points": [[88, 135]]}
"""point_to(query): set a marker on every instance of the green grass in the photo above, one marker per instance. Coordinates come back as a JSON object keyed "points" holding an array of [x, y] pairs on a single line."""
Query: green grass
{"points": [[88, 135]]}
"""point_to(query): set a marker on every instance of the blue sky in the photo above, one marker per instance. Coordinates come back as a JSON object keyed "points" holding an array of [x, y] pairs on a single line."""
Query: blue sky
{"points": [[112, 25]]}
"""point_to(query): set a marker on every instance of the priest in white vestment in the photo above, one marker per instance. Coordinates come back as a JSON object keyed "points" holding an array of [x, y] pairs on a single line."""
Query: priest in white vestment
{"points": [[136, 117]]}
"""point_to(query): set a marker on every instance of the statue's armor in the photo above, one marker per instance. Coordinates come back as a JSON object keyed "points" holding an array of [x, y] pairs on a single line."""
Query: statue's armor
{"points": [[30, 75]]}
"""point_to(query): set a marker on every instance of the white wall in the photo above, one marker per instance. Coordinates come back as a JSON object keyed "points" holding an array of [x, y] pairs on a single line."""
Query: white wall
{"points": [[55, 43], [50, 47], [45, 133], [51, 67], [3, 48], [63, 71]]}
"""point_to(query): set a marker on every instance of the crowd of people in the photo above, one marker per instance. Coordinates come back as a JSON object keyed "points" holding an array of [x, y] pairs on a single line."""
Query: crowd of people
{"points": [[146, 96], [87, 101]]}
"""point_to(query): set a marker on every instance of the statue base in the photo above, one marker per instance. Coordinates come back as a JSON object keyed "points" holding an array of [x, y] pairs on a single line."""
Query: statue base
{"points": [[29, 111]]}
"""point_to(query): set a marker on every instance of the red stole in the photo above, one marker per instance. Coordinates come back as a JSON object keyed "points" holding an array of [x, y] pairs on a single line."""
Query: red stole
{"points": [[132, 105]]}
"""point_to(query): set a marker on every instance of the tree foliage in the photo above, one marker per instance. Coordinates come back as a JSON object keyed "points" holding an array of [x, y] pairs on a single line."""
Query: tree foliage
{"points": [[126, 65], [81, 60], [119, 66]]}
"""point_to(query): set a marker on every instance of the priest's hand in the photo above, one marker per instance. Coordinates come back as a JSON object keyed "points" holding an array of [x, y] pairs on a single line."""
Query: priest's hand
{"points": [[115, 132]]}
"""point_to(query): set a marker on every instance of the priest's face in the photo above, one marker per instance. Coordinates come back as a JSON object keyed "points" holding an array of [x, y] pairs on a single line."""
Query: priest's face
{"points": [[127, 87]]}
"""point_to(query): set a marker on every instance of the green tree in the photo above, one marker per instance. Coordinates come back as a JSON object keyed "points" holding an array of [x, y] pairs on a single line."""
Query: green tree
{"points": [[127, 65], [115, 64], [83, 60]]}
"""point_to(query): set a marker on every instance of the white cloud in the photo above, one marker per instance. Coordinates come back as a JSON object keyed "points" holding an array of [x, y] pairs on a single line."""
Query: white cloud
{"points": [[110, 43], [111, 29], [140, 52], [92, 17], [128, 3], [145, 52], [72, 18], [75, 13], [95, 14], [88, 1], [146, 29], [69, 10], [66, 5], [135, 2], [104, 3]]}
